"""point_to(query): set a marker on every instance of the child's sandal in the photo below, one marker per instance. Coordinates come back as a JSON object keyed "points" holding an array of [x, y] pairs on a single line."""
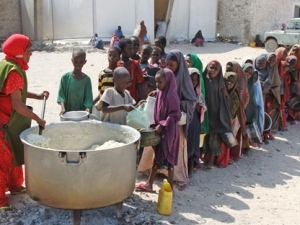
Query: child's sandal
{"points": [[21, 190], [6, 208]]}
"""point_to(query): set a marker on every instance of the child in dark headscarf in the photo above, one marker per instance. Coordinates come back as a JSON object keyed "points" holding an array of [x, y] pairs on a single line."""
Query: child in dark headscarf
{"points": [[273, 96], [281, 54], [293, 84], [219, 113], [242, 91], [194, 61], [166, 115], [230, 83], [193, 141], [252, 109], [175, 62], [230, 78], [295, 51], [266, 83]]}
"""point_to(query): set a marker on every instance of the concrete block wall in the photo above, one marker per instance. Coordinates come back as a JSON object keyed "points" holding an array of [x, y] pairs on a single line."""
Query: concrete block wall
{"points": [[242, 20], [10, 18]]}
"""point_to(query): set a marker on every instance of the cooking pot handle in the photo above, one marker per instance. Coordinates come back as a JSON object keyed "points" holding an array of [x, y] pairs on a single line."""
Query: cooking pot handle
{"points": [[72, 158]]}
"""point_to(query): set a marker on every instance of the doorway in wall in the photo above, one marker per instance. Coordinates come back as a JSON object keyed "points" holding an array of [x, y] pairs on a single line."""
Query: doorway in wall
{"points": [[162, 13]]}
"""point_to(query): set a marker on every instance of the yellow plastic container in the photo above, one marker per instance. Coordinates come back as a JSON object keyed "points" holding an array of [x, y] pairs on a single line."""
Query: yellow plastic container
{"points": [[165, 196], [252, 44]]}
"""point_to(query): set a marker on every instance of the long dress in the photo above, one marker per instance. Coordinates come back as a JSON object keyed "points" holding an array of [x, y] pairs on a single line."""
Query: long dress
{"points": [[222, 160], [219, 114], [11, 177], [188, 100]]}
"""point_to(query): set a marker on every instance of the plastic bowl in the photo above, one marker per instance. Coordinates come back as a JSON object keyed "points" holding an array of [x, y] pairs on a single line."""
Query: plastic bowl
{"points": [[75, 116], [149, 137]]}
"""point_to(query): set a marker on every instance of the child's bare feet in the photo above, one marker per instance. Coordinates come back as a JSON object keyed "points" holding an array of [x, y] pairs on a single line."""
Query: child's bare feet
{"points": [[144, 188]]}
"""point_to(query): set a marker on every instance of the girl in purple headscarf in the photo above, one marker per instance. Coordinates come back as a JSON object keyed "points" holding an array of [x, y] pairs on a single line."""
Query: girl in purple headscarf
{"points": [[166, 116]]}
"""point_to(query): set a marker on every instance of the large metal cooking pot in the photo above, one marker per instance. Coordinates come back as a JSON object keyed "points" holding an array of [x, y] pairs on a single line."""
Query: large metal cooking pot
{"points": [[68, 177]]}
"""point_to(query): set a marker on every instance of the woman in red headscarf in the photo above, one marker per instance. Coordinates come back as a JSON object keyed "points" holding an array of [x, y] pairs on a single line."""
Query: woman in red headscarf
{"points": [[15, 116]]}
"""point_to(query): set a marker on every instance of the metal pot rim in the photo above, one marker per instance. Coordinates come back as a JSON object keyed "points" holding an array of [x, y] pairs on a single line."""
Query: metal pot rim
{"points": [[22, 136]]}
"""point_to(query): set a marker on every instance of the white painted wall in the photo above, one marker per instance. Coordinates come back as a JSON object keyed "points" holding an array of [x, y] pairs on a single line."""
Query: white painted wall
{"points": [[189, 16], [145, 11], [27, 12], [82, 18], [203, 16], [72, 18], [48, 25], [111, 14]]}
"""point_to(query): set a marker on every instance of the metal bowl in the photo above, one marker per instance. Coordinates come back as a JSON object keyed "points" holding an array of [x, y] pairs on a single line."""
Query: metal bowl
{"points": [[149, 137], [75, 116]]}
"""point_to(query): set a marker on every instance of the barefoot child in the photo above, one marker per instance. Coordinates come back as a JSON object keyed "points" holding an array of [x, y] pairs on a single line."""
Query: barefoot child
{"points": [[105, 79], [117, 101], [166, 115], [133, 67], [193, 142], [75, 89]]}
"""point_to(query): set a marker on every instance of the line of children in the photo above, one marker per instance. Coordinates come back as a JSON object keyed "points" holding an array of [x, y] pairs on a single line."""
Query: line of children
{"points": [[234, 101]]}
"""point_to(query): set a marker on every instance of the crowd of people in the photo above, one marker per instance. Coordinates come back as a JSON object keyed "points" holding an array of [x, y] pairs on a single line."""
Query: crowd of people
{"points": [[227, 109]]}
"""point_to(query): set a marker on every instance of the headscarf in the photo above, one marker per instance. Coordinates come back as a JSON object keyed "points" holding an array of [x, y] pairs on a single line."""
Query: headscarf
{"points": [[275, 79], [298, 56], [201, 98], [167, 113], [281, 61], [197, 63], [233, 96], [279, 53], [14, 48], [217, 104], [246, 58], [241, 85], [185, 88], [290, 58], [293, 82], [251, 109], [263, 74]]}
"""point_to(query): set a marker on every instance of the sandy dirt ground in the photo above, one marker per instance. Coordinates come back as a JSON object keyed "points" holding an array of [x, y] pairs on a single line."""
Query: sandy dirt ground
{"points": [[261, 188]]}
